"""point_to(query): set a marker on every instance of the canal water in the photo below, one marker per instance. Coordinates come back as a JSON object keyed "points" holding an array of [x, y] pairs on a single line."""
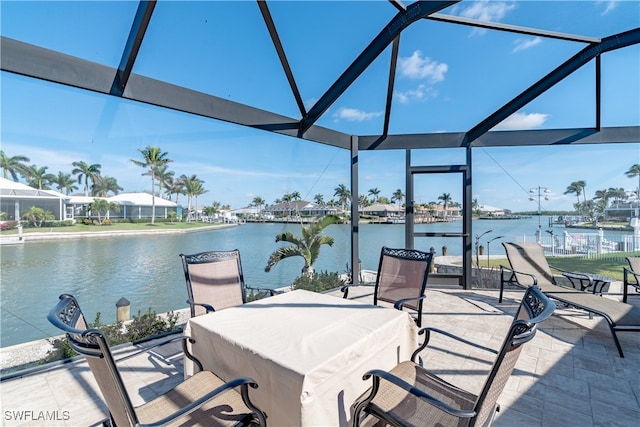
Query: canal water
{"points": [[147, 270]]}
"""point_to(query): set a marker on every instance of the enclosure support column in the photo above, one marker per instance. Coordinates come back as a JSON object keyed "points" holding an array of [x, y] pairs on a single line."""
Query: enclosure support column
{"points": [[355, 218]]}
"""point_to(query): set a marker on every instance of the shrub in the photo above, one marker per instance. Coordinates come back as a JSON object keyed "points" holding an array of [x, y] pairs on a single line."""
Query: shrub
{"points": [[142, 326], [61, 350], [321, 281], [8, 225]]}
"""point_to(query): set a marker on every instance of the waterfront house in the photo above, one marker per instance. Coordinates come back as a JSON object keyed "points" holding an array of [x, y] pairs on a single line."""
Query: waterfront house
{"points": [[298, 208], [383, 210], [18, 198]]}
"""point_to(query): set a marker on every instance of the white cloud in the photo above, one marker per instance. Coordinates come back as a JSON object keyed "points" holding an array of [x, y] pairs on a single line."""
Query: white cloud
{"points": [[485, 10], [418, 67], [524, 44], [609, 6], [355, 115], [310, 103], [522, 121], [418, 94]]}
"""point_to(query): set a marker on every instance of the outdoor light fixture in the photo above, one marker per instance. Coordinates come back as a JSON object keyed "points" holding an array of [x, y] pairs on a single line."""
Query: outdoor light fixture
{"points": [[488, 243], [539, 192], [477, 247]]}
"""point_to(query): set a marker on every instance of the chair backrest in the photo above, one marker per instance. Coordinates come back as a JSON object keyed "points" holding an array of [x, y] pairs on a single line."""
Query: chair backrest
{"points": [[214, 278], [402, 273], [534, 308], [67, 316], [529, 258], [634, 263]]}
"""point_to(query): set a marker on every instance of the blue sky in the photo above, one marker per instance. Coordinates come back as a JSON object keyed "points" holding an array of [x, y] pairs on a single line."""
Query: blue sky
{"points": [[448, 79]]}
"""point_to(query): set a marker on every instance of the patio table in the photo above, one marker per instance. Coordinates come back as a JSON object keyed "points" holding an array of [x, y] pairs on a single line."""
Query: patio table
{"points": [[307, 352]]}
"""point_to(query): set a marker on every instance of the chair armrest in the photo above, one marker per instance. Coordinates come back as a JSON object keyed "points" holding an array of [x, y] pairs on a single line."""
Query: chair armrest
{"points": [[400, 303], [244, 383], [377, 374], [207, 307], [628, 274], [183, 338], [427, 333], [512, 276], [627, 282]]}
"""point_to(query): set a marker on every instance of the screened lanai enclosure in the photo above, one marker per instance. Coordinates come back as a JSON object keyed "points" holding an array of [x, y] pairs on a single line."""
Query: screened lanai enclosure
{"points": [[420, 92]]}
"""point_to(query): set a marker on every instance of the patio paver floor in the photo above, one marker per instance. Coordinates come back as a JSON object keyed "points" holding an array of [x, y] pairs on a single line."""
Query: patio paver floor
{"points": [[569, 375]]}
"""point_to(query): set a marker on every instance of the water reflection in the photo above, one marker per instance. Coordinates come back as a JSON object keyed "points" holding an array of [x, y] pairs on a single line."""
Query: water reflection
{"points": [[147, 270]]}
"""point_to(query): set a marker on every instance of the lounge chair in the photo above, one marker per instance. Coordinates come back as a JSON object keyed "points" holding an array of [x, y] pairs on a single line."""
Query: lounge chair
{"points": [[401, 279], [202, 399], [215, 281], [529, 267], [410, 395], [631, 278]]}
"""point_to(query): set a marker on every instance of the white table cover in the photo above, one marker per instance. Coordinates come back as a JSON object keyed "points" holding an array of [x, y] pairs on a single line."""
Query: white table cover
{"points": [[307, 352]]}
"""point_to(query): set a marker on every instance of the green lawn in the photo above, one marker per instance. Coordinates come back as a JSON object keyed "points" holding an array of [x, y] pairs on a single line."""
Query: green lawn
{"points": [[610, 266], [80, 228]]}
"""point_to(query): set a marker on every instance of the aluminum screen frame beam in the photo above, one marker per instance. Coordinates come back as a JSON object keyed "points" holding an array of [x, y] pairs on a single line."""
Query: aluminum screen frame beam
{"points": [[401, 21], [511, 28], [132, 47], [514, 138], [277, 44], [614, 42], [43, 64]]}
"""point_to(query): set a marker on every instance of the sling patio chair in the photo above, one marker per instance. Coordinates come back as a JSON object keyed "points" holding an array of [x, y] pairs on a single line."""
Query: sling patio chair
{"points": [[631, 278], [410, 395], [201, 400], [215, 281], [401, 279], [529, 267]]}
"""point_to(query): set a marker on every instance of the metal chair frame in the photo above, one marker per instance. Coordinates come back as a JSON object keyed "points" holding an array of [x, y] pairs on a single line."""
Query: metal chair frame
{"points": [[410, 255], [93, 344], [534, 308]]}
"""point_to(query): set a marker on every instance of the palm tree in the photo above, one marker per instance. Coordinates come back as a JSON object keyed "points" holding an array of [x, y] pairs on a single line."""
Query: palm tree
{"points": [[618, 194], [153, 158], [577, 188], [319, 199], [37, 177], [104, 185], [633, 171], [198, 190], [191, 184], [602, 197], [375, 192], [363, 201], [397, 196], [102, 205], [307, 246], [287, 198], [446, 199], [88, 172], [13, 165], [164, 177], [65, 183], [343, 194], [177, 187], [37, 216], [258, 202]]}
